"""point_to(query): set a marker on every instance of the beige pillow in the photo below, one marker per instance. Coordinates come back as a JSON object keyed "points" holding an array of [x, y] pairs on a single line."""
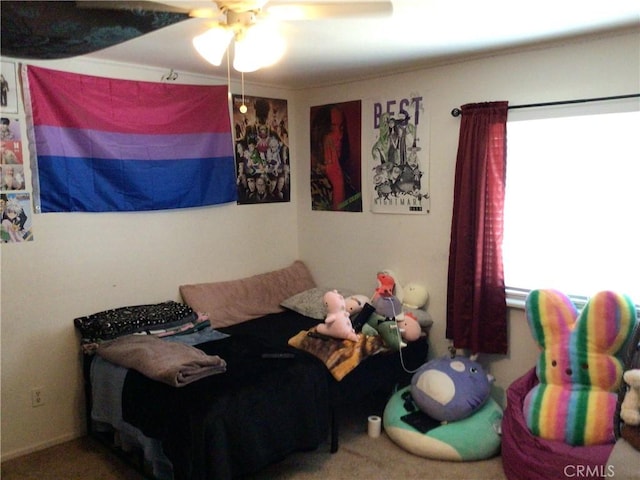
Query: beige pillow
{"points": [[236, 301]]}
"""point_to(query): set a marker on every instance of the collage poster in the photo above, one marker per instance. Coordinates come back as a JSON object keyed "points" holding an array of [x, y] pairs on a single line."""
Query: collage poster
{"points": [[400, 174], [15, 203], [336, 177], [262, 150]]}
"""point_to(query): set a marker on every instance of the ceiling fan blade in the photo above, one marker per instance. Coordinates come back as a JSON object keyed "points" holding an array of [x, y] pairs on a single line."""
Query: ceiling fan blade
{"points": [[318, 10], [48, 30], [196, 8], [130, 5]]}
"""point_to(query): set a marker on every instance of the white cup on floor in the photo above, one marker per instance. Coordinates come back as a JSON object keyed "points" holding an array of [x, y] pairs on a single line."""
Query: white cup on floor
{"points": [[374, 426]]}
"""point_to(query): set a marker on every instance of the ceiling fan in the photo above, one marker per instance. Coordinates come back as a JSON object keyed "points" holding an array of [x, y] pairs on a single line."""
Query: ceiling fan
{"points": [[251, 26]]}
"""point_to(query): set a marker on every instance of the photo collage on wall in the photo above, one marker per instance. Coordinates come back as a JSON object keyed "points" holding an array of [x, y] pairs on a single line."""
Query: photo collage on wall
{"points": [[262, 150], [15, 202]]}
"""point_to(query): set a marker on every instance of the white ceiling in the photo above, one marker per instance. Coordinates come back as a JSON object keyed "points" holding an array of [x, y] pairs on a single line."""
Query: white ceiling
{"points": [[418, 33]]}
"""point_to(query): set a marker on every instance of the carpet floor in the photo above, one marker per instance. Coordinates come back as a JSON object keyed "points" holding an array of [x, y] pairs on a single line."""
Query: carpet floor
{"points": [[359, 457]]}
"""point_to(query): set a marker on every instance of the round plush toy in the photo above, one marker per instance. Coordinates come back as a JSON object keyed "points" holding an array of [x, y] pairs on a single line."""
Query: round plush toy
{"points": [[337, 323], [450, 388], [409, 327], [414, 301], [415, 295]]}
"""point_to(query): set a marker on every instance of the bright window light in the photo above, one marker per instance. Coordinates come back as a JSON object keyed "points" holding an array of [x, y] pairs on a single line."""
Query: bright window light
{"points": [[572, 207]]}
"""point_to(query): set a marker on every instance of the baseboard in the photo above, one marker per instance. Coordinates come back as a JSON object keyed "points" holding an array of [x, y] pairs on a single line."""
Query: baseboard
{"points": [[39, 446]]}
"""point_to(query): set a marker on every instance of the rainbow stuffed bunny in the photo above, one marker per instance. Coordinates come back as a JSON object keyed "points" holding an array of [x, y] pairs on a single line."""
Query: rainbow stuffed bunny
{"points": [[578, 369]]}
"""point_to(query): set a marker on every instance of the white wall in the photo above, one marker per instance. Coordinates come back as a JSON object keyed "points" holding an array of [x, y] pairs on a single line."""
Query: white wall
{"points": [[347, 249], [81, 263]]}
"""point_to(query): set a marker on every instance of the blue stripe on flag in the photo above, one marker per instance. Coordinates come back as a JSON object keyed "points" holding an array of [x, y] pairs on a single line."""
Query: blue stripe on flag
{"points": [[130, 185]]}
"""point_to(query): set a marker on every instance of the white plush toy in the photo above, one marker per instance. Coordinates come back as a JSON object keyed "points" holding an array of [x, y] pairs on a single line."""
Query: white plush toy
{"points": [[630, 408]]}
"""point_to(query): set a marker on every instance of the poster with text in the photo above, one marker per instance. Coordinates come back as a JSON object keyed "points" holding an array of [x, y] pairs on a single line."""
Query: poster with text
{"points": [[262, 150], [336, 158], [400, 156]]}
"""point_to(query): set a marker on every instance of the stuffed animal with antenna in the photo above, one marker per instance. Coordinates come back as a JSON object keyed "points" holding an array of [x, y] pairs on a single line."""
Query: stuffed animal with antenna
{"points": [[578, 369]]}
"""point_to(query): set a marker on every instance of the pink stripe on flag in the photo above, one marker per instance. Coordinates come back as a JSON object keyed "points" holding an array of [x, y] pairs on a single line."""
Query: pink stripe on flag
{"points": [[124, 106]]}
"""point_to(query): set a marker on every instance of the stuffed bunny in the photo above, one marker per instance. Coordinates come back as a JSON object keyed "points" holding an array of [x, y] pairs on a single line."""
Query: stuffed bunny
{"points": [[578, 369]]}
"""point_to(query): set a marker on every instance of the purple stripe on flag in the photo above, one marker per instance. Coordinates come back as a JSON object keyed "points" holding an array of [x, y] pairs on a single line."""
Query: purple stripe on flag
{"points": [[78, 143]]}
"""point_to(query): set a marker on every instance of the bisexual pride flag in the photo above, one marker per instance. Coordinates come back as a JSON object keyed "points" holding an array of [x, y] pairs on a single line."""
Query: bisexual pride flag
{"points": [[105, 144]]}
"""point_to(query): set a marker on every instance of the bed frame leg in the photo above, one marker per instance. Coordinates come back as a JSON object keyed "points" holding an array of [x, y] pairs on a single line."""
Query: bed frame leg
{"points": [[334, 430]]}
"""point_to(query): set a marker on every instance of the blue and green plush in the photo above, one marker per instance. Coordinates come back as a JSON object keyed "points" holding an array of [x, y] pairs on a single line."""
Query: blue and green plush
{"points": [[579, 368], [475, 437], [450, 388], [387, 328]]}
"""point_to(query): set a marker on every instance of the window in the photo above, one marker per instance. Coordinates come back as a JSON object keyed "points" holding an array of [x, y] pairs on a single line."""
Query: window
{"points": [[572, 206]]}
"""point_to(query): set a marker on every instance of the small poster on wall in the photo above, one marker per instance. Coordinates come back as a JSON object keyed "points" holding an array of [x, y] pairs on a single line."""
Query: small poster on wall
{"points": [[12, 174], [400, 156], [336, 178], [15, 210], [8, 88], [262, 150]]}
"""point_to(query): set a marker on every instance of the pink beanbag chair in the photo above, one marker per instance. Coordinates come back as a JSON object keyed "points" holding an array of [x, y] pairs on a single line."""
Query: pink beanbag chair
{"points": [[527, 457]]}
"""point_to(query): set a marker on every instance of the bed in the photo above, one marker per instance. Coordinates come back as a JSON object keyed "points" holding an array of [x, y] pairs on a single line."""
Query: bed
{"points": [[277, 393]]}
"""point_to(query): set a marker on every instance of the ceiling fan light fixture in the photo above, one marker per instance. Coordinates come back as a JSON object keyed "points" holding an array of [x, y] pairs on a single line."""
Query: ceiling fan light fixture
{"points": [[259, 46], [245, 58], [212, 44]]}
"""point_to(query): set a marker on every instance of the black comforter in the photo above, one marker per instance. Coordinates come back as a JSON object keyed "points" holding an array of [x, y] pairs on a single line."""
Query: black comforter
{"points": [[261, 409]]}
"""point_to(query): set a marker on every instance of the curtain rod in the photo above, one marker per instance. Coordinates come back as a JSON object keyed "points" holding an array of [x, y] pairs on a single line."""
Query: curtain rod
{"points": [[456, 112]]}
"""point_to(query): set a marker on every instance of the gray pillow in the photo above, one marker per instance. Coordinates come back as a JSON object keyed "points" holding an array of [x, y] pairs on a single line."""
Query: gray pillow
{"points": [[311, 302]]}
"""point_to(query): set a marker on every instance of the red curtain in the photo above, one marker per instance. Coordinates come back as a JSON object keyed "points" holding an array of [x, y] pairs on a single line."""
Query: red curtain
{"points": [[476, 300]]}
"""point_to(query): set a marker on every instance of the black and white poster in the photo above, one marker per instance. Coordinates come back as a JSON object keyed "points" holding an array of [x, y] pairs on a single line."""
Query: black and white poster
{"points": [[400, 156]]}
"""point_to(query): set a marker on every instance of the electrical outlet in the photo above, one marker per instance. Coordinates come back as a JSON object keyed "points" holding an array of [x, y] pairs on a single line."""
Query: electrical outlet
{"points": [[37, 397]]}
